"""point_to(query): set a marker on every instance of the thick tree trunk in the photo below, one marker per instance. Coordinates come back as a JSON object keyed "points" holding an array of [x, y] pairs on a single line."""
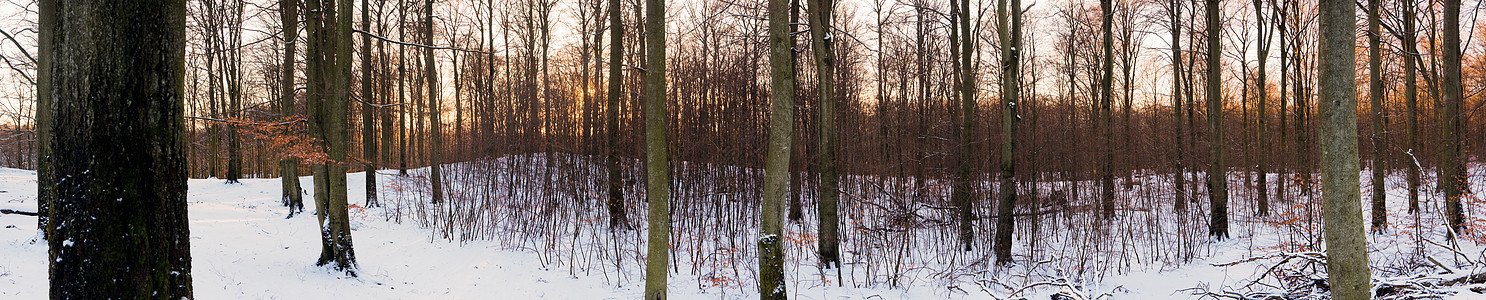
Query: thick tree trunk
{"points": [[657, 157], [329, 65], [776, 163], [118, 108], [1346, 239]]}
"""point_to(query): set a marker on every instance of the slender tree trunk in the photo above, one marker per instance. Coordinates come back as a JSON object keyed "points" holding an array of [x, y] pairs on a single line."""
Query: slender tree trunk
{"points": [[776, 163], [1176, 102], [1411, 100], [825, 69], [1375, 94], [435, 127], [657, 157], [1217, 178], [405, 108], [232, 69], [1261, 86], [368, 112], [45, 193], [1009, 21], [1106, 97], [1452, 168], [1346, 241], [292, 194], [962, 116], [117, 90], [617, 218]]}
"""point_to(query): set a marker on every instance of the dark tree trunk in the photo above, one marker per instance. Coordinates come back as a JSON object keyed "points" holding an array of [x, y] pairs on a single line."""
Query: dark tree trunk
{"points": [[617, 219], [329, 70], [119, 112], [1217, 177], [293, 195], [45, 196]]}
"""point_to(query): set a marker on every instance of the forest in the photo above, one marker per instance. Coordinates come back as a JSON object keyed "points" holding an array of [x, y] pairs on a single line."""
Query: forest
{"points": [[741, 149]]}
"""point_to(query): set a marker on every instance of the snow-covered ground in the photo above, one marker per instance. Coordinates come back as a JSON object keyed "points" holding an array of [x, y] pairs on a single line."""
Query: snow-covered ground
{"points": [[244, 248]]}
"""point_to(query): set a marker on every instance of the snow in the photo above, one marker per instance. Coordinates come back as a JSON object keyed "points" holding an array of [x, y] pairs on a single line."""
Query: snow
{"points": [[244, 248]]}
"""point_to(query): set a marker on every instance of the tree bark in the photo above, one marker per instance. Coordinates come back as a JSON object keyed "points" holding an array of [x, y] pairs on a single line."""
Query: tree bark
{"points": [[292, 194], [776, 162], [1176, 102], [1106, 98], [368, 113], [1452, 179], [825, 69], [1375, 94], [329, 65], [1411, 100], [617, 218], [45, 193], [1009, 20], [117, 87], [657, 157], [1346, 240], [1217, 178], [1261, 86], [435, 127]]}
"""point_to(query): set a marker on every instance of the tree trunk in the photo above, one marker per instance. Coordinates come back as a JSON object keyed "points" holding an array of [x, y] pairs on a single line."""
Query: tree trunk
{"points": [[776, 163], [1176, 102], [1106, 98], [435, 127], [657, 157], [1261, 85], [45, 193], [1346, 240], [368, 112], [1411, 100], [825, 69], [292, 195], [1452, 168], [1375, 94], [1217, 178], [1009, 21], [118, 105], [329, 65], [617, 218]]}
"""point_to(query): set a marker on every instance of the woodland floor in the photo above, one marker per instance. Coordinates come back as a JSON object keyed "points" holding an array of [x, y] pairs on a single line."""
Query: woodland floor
{"points": [[244, 248]]}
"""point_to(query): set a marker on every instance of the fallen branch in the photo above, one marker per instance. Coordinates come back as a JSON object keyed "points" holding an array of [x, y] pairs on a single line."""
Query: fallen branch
{"points": [[18, 212]]}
